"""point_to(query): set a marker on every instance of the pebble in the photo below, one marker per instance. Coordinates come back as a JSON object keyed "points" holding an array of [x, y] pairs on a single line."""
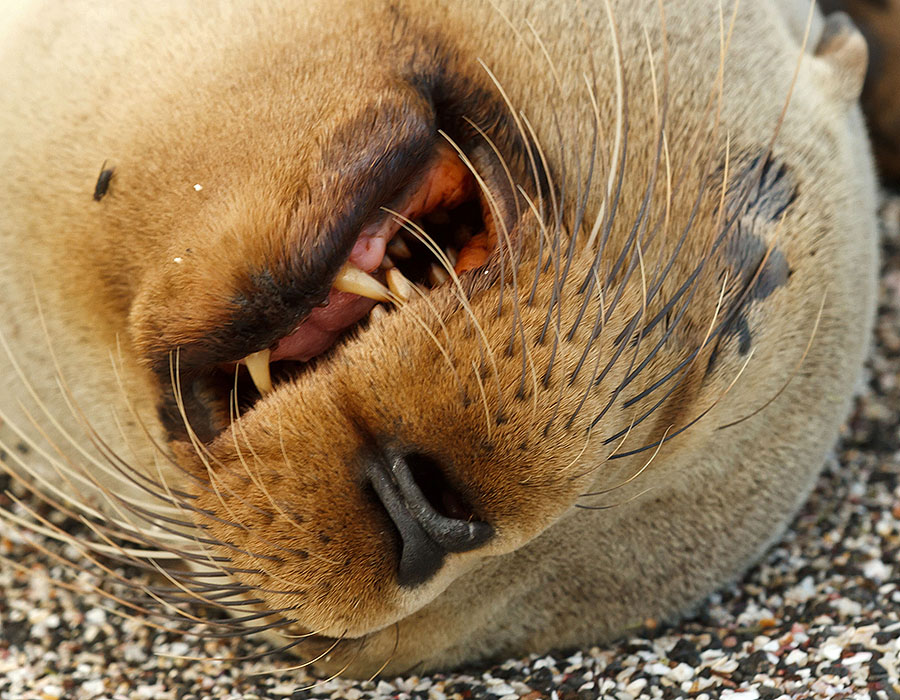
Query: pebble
{"points": [[877, 570], [93, 687], [501, 689], [751, 694], [95, 616], [51, 692], [832, 652], [681, 673]]}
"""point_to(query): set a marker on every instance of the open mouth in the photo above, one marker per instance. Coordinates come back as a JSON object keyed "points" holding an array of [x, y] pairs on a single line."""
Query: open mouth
{"points": [[441, 227], [438, 231]]}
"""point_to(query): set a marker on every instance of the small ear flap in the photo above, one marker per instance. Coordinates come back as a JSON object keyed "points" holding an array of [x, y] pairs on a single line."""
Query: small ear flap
{"points": [[843, 48]]}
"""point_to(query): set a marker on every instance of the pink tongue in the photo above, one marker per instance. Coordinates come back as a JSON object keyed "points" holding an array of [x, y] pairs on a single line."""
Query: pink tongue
{"points": [[447, 183], [322, 327]]}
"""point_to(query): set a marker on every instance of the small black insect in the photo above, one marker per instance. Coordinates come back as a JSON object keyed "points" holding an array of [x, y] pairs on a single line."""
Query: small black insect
{"points": [[103, 182]]}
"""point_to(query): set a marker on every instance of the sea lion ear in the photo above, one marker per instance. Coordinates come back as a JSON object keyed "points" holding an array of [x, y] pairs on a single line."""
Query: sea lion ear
{"points": [[843, 49]]}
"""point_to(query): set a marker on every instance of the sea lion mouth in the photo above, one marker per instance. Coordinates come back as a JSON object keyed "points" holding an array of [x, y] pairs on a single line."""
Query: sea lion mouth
{"points": [[440, 225], [443, 224]]}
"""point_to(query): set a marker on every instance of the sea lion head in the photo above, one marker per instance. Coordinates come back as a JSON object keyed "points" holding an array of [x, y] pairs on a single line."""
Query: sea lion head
{"points": [[384, 454], [439, 317]]}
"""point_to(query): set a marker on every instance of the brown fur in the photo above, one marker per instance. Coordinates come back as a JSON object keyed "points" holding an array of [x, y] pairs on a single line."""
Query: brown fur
{"points": [[291, 118]]}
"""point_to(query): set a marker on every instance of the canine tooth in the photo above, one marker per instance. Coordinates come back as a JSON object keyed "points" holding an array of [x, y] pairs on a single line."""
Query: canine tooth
{"points": [[452, 256], [387, 263], [437, 275], [377, 312], [398, 284], [398, 248], [258, 365], [354, 281]]}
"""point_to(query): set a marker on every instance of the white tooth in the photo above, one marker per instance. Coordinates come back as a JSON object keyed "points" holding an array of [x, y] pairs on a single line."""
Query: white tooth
{"points": [[437, 275], [258, 365], [398, 248], [452, 256], [398, 284], [354, 281], [378, 312]]}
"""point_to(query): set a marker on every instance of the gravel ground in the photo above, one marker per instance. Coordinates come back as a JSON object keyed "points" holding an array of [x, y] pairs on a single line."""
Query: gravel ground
{"points": [[818, 618]]}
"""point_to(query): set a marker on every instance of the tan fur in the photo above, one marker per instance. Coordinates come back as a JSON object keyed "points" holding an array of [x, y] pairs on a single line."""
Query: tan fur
{"points": [[279, 113]]}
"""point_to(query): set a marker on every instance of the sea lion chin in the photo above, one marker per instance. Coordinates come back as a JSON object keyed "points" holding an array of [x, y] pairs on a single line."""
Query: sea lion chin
{"points": [[410, 345]]}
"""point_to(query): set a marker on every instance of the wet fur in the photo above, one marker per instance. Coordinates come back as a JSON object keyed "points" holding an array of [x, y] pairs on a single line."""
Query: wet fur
{"points": [[686, 300]]}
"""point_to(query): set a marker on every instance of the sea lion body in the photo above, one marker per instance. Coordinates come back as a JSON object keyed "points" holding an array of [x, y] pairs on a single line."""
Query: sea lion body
{"points": [[613, 415]]}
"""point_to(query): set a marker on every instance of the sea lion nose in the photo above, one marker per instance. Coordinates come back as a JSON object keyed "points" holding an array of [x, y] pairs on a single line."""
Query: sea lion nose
{"points": [[412, 489]]}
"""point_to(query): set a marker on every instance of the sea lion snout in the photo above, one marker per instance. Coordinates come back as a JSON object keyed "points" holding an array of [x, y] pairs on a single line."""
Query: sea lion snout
{"points": [[431, 517]]}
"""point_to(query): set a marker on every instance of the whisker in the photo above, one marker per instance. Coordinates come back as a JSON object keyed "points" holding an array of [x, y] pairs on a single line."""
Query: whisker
{"points": [[791, 374], [423, 237], [697, 418], [634, 476], [307, 664]]}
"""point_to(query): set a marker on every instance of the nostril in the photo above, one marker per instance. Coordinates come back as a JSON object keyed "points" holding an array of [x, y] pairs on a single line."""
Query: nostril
{"points": [[451, 533], [431, 517], [436, 489]]}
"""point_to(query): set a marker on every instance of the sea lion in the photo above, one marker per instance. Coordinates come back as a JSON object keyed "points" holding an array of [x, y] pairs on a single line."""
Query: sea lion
{"points": [[415, 332]]}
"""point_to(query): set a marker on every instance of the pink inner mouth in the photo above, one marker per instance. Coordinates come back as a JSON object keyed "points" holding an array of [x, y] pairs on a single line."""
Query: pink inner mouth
{"points": [[447, 183]]}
